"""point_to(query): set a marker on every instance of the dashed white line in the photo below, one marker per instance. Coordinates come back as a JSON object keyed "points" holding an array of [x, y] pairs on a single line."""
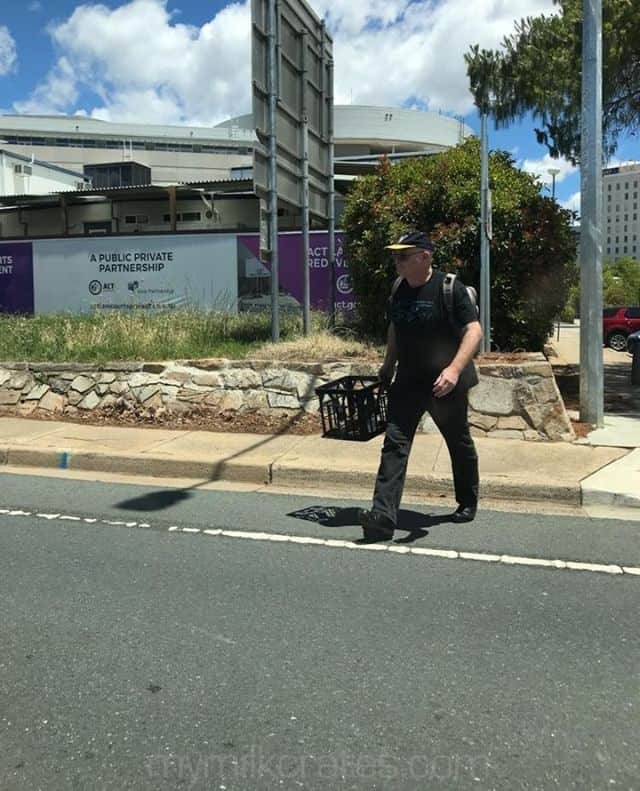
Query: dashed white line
{"points": [[333, 543], [447, 554]]}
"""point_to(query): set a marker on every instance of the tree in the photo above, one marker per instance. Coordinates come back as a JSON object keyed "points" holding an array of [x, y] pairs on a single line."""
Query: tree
{"points": [[538, 71], [621, 282], [532, 250]]}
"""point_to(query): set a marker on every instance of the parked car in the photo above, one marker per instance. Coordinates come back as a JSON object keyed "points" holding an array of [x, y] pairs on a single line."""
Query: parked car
{"points": [[617, 324]]}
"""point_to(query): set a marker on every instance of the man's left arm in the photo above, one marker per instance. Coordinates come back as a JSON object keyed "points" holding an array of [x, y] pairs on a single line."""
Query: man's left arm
{"points": [[469, 342]]}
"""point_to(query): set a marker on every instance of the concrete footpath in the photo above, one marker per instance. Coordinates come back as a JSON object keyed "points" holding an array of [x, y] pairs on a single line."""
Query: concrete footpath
{"points": [[605, 477]]}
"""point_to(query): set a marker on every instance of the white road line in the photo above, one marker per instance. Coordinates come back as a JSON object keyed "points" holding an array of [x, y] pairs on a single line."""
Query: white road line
{"points": [[612, 569], [447, 554]]}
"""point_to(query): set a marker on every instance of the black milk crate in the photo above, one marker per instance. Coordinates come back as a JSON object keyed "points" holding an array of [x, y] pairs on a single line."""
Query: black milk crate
{"points": [[353, 407]]}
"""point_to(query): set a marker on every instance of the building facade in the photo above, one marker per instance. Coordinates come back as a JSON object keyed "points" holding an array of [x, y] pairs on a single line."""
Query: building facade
{"points": [[621, 232], [165, 179], [24, 175]]}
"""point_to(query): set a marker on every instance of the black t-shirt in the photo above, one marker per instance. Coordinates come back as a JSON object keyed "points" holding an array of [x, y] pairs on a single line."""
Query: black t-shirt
{"points": [[427, 337]]}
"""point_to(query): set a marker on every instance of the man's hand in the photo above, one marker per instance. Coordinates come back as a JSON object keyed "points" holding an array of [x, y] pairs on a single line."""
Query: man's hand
{"points": [[446, 382], [385, 374]]}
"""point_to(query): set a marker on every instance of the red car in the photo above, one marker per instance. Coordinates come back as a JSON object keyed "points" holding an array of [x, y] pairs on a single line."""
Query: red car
{"points": [[618, 324]]}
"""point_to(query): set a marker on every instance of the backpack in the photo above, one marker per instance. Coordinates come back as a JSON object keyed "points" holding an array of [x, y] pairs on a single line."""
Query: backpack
{"points": [[447, 292]]}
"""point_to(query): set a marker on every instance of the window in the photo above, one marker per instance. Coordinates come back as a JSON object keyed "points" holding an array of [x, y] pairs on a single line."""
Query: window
{"points": [[17, 168], [617, 186], [191, 216], [135, 219], [130, 219], [633, 313], [625, 251], [609, 187]]}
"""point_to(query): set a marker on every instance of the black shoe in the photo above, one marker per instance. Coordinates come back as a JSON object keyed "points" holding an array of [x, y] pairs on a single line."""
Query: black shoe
{"points": [[465, 513], [376, 526]]}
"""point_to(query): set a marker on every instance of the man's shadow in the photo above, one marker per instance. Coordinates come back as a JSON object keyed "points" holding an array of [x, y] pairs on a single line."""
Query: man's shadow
{"points": [[414, 523]]}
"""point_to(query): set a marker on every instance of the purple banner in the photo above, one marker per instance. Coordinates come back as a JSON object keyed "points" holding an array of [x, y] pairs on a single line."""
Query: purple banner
{"points": [[16, 277], [290, 269]]}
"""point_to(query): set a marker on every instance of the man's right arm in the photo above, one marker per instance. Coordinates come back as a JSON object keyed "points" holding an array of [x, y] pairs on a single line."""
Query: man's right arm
{"points": [[388, 366]]}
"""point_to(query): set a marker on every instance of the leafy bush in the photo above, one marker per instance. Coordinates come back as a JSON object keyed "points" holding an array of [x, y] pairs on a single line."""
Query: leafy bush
{"points": [[621, 282], [531, 252]]}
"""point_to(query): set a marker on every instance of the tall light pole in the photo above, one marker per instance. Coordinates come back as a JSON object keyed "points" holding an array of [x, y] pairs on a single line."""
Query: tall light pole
{"points": [[553, 172], [591, 362], [485, 232]]}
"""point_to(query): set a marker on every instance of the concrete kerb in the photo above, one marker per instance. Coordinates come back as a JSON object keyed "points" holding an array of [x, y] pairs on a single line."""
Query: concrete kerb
{"points": [[510, 470], [126, 464]]}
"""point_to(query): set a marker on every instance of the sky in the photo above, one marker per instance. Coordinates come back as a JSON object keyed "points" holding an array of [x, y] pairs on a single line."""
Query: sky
{"points": [[188, 62]]}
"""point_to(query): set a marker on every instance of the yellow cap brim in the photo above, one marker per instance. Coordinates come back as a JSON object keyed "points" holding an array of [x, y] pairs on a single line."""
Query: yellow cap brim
{"points": [[401, 247]]}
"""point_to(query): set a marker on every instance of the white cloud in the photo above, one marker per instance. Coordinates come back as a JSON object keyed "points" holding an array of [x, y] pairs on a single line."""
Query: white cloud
{"points": [[7, 51], [572, 203], [144, 65], [415, 49], [541, 167], [146, 68], [55, 94]]}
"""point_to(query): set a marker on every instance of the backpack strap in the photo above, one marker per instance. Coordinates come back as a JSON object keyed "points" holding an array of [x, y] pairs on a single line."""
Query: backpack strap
{"points": [[447, 292], [395, 287]]}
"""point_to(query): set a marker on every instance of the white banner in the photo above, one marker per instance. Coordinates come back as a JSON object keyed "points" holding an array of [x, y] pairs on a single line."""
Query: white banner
{"points": [[121, 273]]}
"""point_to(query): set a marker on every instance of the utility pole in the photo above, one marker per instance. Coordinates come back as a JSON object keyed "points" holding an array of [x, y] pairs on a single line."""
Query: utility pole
{"points": [[331, 211], [306, 288], [591, 362], [485, 232], [273, 168]]}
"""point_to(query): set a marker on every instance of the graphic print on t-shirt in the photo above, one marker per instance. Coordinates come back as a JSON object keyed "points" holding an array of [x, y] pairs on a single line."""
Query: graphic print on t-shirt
{"points": [[413, 312]]}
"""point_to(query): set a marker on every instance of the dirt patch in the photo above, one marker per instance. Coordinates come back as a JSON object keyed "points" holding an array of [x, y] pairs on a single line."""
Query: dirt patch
{"points": [[198, 419], [504, 357], [581, 429]]}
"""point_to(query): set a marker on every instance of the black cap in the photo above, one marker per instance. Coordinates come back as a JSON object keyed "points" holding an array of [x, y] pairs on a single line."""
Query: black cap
{"points": [[413, 239]]}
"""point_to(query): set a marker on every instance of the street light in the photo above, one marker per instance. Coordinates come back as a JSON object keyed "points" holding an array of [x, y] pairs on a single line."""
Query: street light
{"points": [[553, 172]]}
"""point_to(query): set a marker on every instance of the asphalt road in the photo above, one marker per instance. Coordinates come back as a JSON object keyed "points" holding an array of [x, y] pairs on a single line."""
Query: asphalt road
{"points": [[149, 658]]}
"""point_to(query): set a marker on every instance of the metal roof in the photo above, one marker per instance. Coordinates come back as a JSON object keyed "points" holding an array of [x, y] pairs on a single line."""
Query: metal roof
{"points": [[140, 192], [42, 163], [74, 126]]}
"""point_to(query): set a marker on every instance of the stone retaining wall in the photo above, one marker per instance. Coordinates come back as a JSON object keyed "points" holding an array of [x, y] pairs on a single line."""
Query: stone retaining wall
{"points": [[517, 398]]}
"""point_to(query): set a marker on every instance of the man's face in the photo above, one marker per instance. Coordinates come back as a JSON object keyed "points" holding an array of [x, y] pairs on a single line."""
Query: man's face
{"points": [[412, 261]]}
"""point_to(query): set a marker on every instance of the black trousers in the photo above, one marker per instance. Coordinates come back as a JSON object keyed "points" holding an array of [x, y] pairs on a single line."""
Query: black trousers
{"points": [[407, 404]]}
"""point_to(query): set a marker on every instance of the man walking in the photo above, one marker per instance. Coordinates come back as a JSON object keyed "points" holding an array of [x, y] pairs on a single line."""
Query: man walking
{"points": [[433, 345]]}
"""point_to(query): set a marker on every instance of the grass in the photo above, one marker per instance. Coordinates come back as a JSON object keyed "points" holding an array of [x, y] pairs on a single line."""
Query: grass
{"points": [[110, 337]]}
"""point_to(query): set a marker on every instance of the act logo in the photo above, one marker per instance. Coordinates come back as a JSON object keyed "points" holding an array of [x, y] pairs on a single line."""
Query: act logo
{"points": [[97, 287], [343, 284]]}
